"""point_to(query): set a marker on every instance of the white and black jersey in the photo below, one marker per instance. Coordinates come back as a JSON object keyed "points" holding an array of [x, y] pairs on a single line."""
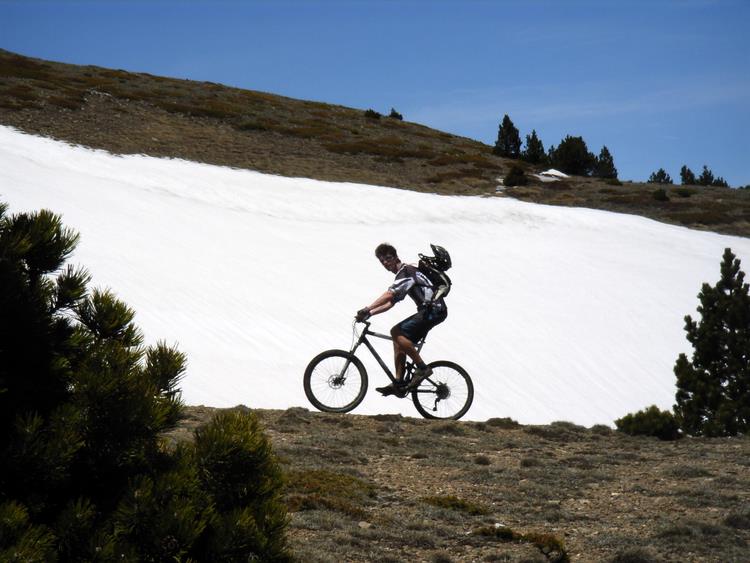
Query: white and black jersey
{"points": [[410, 281]]}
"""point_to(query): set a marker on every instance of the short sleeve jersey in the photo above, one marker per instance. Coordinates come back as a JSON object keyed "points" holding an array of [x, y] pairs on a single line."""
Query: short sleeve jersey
{"points": [[410, 281]]}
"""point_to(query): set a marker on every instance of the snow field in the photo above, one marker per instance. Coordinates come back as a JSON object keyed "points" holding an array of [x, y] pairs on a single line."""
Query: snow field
{"points": [[557, 313]]}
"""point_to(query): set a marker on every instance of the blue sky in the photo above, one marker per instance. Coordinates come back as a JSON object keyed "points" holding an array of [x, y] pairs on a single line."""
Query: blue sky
{"points": [[661, 83]]}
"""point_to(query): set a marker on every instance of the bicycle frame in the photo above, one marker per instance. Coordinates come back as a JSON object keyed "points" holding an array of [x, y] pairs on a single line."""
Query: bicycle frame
{"points": [[363, 340]]}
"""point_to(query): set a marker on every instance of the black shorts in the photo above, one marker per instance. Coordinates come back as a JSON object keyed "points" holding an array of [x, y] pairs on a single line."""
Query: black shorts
{"points": [[416, 327]]}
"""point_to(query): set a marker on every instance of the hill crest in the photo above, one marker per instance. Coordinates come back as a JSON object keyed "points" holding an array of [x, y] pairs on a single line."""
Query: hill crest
{"points": [[138, 113]]}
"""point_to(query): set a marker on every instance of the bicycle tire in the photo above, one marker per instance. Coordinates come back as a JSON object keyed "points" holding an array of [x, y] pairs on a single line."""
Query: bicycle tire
{"points": [[449, 389], [327, 390]]}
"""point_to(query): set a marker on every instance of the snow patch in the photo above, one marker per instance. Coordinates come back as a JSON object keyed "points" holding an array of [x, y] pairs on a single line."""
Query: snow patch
{"points": [[557, 313]]}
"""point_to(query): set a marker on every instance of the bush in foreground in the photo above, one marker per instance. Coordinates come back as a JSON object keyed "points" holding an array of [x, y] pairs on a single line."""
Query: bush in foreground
{"points": [[85, 475], [650, 422]]}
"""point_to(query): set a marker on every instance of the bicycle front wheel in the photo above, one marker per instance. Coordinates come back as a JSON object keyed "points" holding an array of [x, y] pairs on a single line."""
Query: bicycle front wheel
{"points": [[447, 393], [335, 381]]}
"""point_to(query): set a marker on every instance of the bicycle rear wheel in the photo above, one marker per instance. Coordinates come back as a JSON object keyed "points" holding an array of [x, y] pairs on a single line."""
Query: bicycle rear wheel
{"points": [[447, 393], [335, 381]]}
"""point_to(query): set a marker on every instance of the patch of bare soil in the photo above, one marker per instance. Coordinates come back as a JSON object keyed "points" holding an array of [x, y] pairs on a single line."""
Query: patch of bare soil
{"points": [[392, 488]]}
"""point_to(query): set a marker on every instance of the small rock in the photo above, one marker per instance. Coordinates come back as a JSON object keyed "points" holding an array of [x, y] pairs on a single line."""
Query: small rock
{"points": [[365, 525]]}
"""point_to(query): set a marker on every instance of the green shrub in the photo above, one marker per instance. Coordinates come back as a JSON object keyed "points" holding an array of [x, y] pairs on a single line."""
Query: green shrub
{"points": [[551, 546], [504, 422], [372, 114], [378, 147], [21, 92], [633, 556], [530, 462], [86, 474], [684, 192], [257, 125], [395, 115], [72, 101], [515, 177], [738, 520], [660, 195], [650, 422], [454, 503], [601, 429], [318, 489], [453, 427]]}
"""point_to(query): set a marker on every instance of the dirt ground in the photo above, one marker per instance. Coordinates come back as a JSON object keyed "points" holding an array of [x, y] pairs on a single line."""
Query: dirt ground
{"points": [[393, 488]]}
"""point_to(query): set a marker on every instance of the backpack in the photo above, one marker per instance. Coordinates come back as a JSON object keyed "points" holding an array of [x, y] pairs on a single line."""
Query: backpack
{"points": [[433, 267]]}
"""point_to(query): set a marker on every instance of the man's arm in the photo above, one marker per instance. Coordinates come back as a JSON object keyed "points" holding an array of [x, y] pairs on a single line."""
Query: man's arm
{"points": [[382, 303]]}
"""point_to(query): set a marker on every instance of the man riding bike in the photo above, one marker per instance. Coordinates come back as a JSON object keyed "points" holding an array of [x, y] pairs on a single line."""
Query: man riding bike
{"points": [[406, 334]]}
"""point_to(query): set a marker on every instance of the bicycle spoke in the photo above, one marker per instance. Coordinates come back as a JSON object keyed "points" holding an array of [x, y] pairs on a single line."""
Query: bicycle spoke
{"points": [[447, 393], [335, 382]]}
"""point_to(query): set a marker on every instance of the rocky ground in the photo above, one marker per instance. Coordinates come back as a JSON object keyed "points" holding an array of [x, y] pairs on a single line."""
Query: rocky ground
{"points": [[391, 488]]}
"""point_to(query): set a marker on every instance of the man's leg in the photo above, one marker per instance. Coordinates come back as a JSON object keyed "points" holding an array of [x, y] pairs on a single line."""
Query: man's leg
{"points": [[403, 347], [399, 356]]}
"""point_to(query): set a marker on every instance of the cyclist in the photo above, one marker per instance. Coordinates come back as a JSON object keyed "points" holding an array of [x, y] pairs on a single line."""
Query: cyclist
{"points": [[409, 281]]}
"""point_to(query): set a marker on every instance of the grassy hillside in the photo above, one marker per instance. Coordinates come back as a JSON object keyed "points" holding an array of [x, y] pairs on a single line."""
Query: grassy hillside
{"points": [[130, 113], [390, 488]]}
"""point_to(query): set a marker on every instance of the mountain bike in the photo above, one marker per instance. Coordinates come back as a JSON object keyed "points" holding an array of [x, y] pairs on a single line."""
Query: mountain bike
{"points": [[336, 381]]}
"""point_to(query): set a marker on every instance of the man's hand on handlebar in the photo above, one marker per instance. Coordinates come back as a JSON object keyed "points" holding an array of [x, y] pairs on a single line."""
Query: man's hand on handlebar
{"points": [[362, 315]]}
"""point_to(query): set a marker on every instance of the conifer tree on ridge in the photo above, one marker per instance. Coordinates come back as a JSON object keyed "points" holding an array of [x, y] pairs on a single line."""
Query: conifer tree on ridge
{"points": [[713, 388], [508, 140]]}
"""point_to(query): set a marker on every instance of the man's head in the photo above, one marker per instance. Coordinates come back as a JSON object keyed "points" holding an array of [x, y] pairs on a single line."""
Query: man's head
{"points": [[388, 257]]}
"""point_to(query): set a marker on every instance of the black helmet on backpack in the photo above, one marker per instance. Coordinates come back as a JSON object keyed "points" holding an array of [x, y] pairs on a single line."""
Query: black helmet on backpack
{"points": [[442, 259], [433, 267]]}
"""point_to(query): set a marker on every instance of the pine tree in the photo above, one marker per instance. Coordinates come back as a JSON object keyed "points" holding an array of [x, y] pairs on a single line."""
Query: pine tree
{"points": [[395, 115], [659, 177], [508, 140], [720, 182], [687, 177], [605, 165], [713, 388], [534, 151], [572, 156], [85, 474], [707, 177]]}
